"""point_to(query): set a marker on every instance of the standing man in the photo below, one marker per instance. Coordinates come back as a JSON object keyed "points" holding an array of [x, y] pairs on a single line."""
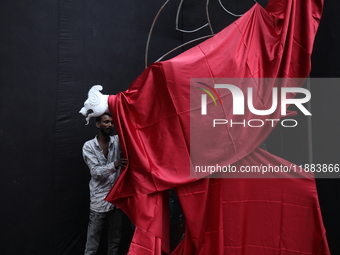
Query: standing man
{"points": [[102, 156]]}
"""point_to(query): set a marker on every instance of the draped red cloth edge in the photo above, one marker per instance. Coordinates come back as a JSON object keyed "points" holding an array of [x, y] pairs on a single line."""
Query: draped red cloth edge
{"points": [[223, 215]]}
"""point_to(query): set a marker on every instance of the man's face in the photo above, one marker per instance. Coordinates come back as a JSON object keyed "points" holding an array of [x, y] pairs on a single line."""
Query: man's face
{"points": [[105, 125]]}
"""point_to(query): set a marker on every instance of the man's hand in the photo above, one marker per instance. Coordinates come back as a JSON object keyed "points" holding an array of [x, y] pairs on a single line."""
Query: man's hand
{"points": [[121, 162]]}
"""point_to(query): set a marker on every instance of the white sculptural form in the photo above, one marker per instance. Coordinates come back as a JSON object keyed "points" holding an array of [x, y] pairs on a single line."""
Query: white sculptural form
{"points": [[96, 103]]}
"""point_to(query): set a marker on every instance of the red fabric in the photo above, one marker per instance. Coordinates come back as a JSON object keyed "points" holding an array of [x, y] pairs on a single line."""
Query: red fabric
{"points": [[223, 215]]}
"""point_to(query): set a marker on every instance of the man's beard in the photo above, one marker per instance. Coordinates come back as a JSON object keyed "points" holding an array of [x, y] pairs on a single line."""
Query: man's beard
{"points": [[107, 131]]}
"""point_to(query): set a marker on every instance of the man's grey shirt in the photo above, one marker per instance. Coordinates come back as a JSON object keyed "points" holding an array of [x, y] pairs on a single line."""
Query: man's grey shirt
{"points": [[103, 172]]}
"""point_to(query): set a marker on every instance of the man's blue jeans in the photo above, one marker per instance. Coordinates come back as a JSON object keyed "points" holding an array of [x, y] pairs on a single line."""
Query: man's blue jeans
{"points": [[97, 220]]}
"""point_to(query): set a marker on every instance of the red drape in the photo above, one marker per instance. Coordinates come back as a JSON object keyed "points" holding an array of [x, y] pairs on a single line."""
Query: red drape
{"points": [[223, 215]]}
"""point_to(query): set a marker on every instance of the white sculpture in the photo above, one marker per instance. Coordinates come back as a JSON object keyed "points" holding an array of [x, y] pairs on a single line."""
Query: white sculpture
{"points": [[96, 104]]}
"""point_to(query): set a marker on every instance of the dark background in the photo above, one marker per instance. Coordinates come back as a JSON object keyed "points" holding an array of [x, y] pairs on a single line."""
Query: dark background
{"points": [[52, 52]]}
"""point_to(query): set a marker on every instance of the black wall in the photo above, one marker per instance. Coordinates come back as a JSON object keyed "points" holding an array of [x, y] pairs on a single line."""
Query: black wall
{"points": [[326, 120], [52, 52]]}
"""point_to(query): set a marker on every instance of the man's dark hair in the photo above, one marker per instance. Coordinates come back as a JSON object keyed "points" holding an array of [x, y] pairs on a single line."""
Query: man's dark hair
{"points": [[98, 119]]}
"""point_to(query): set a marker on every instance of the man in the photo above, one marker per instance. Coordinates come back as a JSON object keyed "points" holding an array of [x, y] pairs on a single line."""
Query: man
{"points": [[102, 155]]}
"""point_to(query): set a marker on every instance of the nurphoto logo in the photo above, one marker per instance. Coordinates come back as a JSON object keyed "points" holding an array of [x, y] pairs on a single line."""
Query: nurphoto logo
{"points": [[246, 100]]}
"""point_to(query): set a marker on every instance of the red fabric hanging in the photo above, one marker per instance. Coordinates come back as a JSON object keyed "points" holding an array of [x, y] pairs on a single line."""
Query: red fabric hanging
{"points": [[223, 215]]}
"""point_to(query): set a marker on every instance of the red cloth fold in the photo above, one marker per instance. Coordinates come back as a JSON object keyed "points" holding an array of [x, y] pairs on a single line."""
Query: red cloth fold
{"points": [[224, 215]]}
